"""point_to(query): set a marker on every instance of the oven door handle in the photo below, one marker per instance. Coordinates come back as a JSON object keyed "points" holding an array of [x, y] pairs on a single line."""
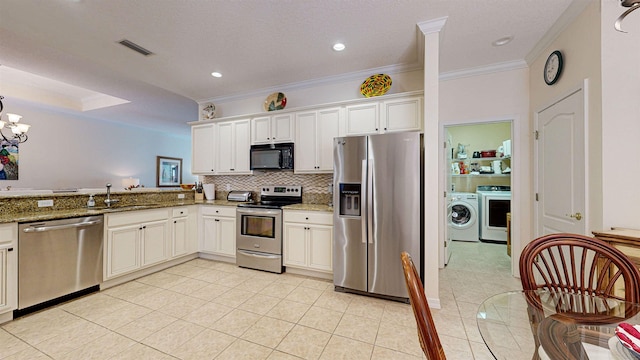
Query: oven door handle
{"points": [[258, 255], [258, 211]]}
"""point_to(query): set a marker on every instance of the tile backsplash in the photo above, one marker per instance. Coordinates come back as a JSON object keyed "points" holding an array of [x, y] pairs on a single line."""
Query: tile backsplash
{"points": [[315, 187]]}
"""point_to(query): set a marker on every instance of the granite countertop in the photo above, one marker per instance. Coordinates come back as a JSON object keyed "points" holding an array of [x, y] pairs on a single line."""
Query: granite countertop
{"points": [[309, 207], [85, 211]]}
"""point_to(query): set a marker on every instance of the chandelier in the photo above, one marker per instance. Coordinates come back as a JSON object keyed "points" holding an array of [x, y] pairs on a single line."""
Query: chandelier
{"points": [[19, 130]]}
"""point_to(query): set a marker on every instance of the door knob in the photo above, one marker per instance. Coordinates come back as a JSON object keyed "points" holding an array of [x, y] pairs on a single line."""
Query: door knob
{"points": [[577, 216]]}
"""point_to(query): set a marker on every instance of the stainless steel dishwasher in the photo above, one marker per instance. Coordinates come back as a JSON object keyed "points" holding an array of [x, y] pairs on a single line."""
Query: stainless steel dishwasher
{"points": [[58, 258]]}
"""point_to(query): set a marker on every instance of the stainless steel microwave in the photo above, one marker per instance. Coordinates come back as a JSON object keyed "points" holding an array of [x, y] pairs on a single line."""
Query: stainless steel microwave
{"points": [[272, 157]]}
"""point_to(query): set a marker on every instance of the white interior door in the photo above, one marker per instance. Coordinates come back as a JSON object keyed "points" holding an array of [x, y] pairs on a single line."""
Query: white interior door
{"points": [[560, 167]]}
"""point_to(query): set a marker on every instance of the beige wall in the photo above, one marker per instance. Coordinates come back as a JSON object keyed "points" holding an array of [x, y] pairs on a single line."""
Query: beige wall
{"points": [[580, 46], [332, 91], [490, 98], [620, 119]]}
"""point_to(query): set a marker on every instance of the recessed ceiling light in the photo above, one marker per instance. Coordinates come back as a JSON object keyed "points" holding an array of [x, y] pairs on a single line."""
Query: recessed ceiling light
{"points": [[502, 41], [338, 46], [216, 74]]}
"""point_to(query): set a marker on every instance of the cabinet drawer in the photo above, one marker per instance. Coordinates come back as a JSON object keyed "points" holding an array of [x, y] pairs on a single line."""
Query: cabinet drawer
{"points": [[308, 217], [180, 211], [136, 217], [8, 232], [228, 211]]}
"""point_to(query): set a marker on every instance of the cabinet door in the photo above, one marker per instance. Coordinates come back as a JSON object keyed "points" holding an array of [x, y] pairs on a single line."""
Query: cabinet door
{"points": [[242, 144], [225, 157], [4, 278], [154, 242], [203, 149], [261, 130], [328, 127], [123, 250], [180, 237], [305, 145], [401, 114], [227, 236], [320, 247], [282, 128], [209, 233], [295, 245], [362, 119]]}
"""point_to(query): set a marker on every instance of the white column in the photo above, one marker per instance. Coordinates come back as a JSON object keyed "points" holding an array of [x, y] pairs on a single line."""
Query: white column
{"points": [[433, 179]]}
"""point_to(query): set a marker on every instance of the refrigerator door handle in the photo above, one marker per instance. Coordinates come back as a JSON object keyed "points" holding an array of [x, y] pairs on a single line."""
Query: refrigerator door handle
{"points": [[363, 218], [370, 204]]}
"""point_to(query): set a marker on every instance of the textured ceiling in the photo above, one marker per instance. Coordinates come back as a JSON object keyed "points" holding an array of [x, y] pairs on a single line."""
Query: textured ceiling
{"points": [[255, 44]]}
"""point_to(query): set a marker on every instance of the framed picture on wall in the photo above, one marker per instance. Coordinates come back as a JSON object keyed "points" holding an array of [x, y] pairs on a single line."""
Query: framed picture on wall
{"points": [[168, 171]]}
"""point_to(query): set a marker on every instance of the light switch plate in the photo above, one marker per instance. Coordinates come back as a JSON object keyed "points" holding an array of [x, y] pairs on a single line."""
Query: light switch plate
{"points": [[45, 203]]}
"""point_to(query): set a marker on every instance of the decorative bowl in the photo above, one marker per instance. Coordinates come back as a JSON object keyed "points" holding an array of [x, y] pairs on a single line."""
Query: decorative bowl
{"points": [[187, 186], [375, 85], [275, 101]]}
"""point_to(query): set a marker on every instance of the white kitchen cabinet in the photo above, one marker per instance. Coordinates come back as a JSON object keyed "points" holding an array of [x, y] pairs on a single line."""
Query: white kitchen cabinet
{"points": [[184, 239], [233, 143], [8, 267], [272, 129], [135, 240], [308, 240], [379, 117], [362, 119], [315, 131], [203, 149], [401, 114], [218, 229]]}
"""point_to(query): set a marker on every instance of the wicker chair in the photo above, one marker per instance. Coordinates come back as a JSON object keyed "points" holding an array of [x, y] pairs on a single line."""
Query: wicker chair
{"points": [[571, 265], [427, 333], [578, 264]]}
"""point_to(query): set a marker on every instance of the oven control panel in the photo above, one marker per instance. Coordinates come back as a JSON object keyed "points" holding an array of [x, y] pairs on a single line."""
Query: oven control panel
{"points": [[281, 190]]}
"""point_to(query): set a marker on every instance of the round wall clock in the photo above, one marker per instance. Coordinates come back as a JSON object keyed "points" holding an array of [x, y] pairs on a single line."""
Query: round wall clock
{"points": [[553, 68]]}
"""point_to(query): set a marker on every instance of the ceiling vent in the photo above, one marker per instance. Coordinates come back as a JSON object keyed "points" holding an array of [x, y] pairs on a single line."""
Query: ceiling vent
{"points": [[135, 47]]}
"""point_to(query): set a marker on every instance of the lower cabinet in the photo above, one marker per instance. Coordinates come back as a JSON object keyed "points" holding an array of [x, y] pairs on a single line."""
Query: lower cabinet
{"points": [[218, 229], [135, 240], [308, 240], [8, 267], [184, 237]]}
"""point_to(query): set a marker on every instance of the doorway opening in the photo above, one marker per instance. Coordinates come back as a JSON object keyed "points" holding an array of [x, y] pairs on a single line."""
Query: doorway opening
{"points": [[478, 183]]}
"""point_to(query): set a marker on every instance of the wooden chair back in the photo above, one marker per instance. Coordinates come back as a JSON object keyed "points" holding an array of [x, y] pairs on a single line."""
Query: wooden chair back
{"points": [[579, 264], [427, 333]]}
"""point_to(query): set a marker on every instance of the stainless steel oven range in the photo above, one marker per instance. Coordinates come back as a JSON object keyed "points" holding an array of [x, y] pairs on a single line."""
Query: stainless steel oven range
{"points": [[259, 228]]}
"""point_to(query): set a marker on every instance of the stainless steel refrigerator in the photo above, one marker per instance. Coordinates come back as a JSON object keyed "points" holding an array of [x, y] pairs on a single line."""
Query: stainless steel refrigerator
{"points": [[378, 209]]}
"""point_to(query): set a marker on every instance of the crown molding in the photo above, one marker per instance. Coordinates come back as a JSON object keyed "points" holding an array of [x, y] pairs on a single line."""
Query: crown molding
{"points": [[357, 75], [427, 27], [568, 16], [483, 70]]}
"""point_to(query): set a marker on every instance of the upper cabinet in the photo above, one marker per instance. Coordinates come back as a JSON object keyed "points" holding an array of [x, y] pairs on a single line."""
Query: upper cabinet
{"points": [[233, 141], [203, 149], [315, 131], [392, 115], [272, 129]]}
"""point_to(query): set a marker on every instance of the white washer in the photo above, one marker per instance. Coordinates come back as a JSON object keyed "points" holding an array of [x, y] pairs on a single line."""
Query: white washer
{"points": [[463, 217]]}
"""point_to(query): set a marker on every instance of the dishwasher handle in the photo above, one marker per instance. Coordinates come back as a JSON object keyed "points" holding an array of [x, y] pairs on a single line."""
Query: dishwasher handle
{"points": [[60, 227]]}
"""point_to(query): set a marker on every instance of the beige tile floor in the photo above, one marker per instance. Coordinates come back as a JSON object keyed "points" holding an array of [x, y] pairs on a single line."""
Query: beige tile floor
{"points": [[210, 310]]}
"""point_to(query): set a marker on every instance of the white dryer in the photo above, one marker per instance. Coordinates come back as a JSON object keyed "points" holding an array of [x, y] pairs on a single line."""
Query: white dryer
{"points": [[463, 217]]}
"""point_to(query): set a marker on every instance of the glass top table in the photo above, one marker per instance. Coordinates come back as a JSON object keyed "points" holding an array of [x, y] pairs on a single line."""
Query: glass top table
{"points": [[520, 324]]}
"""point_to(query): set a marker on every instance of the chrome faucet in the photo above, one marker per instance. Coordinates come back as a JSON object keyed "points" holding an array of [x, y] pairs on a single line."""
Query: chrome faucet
{"points": [[109, 200]]}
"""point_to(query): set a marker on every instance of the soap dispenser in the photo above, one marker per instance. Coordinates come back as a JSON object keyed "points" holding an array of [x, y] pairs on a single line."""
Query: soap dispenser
{"points": [[91, 202]]}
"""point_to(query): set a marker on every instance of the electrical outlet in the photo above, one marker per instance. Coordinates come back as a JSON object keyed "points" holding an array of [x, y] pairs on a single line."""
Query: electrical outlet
{"points": [[228, 187], [45, 203], [180, 196]]}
